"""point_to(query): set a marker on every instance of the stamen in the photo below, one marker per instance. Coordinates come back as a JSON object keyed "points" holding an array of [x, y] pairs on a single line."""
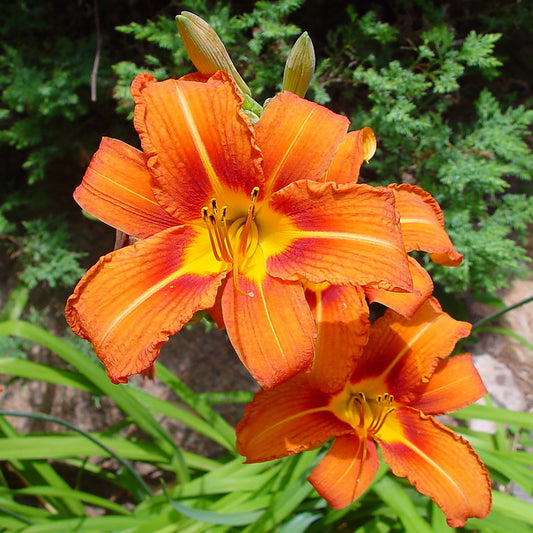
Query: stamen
{"points": [[377, 410], [385, 408], [218, 231], [224, 230], [232, 247], [249, 219], [360, 400], [370, 414], [220, 242], [206, 218]]}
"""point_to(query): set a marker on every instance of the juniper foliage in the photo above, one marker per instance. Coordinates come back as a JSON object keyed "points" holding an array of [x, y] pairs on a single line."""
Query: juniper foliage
{"points": [[428, 98], [427, 82]]}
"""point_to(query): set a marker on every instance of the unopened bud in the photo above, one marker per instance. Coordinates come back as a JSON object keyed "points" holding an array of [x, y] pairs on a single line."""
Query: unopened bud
{"points": [[300, 66], [206, 50]]}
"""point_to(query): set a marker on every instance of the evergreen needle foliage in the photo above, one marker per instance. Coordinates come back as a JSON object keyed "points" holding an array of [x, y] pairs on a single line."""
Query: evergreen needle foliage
{"points": [[426, 95]]}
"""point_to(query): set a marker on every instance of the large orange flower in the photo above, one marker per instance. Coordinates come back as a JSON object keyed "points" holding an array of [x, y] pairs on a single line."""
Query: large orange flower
{"points": [[213, 197], [401, 376]]}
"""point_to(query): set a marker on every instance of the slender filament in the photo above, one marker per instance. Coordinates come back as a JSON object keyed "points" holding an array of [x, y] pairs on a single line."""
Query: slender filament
{"points": [[231, 241], [368, 417]]}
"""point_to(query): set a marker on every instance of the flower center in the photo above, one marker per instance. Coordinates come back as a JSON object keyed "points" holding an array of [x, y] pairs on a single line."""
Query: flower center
{"points": [[232, 241], [369, 414]]}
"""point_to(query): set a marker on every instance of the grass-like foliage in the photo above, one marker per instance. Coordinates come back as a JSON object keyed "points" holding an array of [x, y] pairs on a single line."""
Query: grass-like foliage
{"points": [[215, 495]]}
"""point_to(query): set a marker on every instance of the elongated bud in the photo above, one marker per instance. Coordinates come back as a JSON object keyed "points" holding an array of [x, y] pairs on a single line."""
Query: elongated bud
{"points": [[300, 66], [206, 50]]}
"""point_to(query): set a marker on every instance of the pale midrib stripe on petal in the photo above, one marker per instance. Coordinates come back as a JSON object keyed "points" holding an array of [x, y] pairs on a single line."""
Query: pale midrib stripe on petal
{"points": [[407, 346], [342, 236], [271, 325], [438, 391], [416, 221], [274, 176], [437, 467], [123, 187], [200, 146], [350, 466], [140, 300], [288, 419], [187, 269]]}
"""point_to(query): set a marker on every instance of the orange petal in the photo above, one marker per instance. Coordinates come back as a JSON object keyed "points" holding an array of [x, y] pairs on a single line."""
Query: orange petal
{"points": [[405, 303], [289, 419], [356, 147], [438, 463], [129, 303], [423, 224], [455, 384], [198, 141], [344, 474], [341, 314], [116, 189], [298, 139], [216, 311], [340, 234], [402, 353], [273, 331]]}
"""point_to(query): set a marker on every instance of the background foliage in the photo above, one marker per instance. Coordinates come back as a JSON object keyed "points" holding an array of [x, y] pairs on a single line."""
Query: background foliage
{"points": [[446, 88]]}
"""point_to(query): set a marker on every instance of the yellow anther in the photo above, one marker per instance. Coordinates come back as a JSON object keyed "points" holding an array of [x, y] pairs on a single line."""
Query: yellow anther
{"points": [[369, 414]]}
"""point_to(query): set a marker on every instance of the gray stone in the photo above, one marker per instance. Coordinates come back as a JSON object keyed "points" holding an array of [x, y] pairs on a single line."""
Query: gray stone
{"points": [[502, 387]]}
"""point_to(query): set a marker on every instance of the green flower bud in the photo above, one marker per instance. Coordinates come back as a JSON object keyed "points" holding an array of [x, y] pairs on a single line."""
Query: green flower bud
{"points": [[300, 66], [206, 50]]}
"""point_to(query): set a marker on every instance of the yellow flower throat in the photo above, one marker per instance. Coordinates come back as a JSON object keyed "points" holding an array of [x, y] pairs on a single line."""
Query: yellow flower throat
{"points": [[232, 241], [367, 416]]}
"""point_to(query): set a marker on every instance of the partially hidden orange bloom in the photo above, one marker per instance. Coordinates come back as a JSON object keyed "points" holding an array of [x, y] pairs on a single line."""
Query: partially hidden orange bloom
{"points": [[230, 213], [400, 377], [341, 312]]}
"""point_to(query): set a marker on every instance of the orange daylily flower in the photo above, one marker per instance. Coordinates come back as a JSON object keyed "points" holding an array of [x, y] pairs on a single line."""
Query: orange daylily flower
{"points": [[421, 221], [229, 212], [400, 378], [422, 226], [341, 313]]}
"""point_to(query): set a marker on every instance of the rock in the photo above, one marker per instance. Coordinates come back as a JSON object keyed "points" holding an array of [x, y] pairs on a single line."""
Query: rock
{"points": [[501, 384], [520, 320]]}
